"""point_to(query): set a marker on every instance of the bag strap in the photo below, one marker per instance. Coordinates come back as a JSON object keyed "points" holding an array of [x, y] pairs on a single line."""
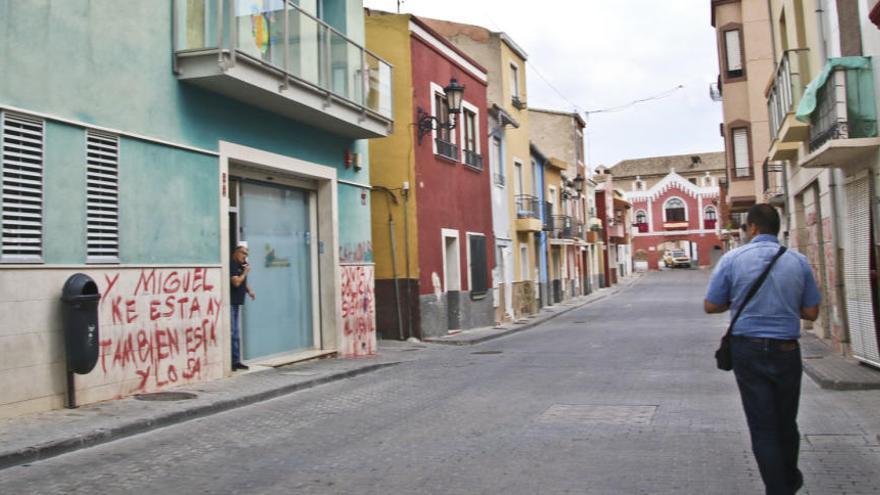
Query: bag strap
{"points": [[754, 289]]}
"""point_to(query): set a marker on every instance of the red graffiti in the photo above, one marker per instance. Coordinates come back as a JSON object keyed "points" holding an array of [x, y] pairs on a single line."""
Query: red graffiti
{"points": [[358, 310], [164, 328]]}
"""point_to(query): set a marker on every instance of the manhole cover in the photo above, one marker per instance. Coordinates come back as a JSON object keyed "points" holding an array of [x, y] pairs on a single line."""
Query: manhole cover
{"points": [[587, 413], [487, 352], [166, 396]]}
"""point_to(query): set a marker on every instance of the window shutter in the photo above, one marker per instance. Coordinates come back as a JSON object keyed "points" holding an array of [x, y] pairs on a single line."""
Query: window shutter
{"points": [[479, 267], [857, 272], [102, 196], [22, 189], [732, 46], [741, 152]]}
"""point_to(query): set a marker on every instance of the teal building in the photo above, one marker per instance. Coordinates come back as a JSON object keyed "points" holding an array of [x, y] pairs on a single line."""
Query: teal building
{"points": [[141, 141]]}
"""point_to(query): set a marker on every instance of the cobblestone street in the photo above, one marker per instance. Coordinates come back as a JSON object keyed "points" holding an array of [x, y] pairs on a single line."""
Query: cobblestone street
{"points": [[618, 397]]}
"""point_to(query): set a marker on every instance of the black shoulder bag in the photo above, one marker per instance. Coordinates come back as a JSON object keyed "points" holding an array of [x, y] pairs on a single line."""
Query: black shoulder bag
{"points": [[723, 356]]}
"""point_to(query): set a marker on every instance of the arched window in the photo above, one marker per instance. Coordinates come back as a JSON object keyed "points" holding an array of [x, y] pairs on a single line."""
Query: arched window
{"points": [[711, 214], [674, 210], [642, 220]]}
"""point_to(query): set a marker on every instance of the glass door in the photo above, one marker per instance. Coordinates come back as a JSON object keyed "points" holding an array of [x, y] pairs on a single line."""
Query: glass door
{"points": [[276, 223]]}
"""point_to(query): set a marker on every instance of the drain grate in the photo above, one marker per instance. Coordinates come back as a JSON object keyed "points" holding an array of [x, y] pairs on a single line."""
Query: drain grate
{"points": [[487, 352], [580, 321], [166, 396], [589, 413], [835, 439]]}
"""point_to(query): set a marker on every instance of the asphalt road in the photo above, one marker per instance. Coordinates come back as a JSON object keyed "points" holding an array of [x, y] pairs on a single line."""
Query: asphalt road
{"points": [[618, 397]]}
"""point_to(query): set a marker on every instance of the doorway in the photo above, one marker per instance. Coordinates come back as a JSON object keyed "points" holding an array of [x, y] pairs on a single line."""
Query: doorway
{"points": [[279, 223]]}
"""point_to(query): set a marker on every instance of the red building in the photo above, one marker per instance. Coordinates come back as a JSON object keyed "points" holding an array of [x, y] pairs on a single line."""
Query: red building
{"points": [[676, 213], [447, 185]]}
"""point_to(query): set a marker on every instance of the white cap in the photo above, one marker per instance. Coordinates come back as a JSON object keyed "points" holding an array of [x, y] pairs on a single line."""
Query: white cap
{"points": [[241, 244]]}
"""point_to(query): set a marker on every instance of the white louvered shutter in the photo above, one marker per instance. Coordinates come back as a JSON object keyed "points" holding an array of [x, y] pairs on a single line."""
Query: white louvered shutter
{"points": [[741, 152], [102, 197], [856, 272], [734, 54], [22, 188]]}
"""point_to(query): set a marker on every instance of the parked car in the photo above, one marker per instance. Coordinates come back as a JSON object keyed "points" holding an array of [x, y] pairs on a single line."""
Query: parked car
{"points": [[676, 258]]}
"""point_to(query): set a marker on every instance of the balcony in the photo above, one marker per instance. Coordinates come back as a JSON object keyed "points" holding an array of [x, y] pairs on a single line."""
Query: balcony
{"points": [[843, 124], [473, 159], [616, 231], [562, 227], [642, 228], [783, 98], [675, 225], [500, 180], [286, 61], [446, 149], [548, 217], [528, 215], [709, 224]]}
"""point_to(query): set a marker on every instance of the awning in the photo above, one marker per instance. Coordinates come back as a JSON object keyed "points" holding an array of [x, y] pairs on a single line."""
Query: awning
{"points": [[808, 101]]}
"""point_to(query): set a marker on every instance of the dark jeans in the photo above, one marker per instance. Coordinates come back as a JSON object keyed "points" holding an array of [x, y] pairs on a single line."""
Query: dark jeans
{"points": [[236, 333], [768, 373]]}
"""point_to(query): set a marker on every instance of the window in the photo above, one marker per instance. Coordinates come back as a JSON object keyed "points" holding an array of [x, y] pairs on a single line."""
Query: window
{"points": [[441, 111], [479, 268], [641, 217], [518, 178], [496, 160], [445, 139], [514, 81], [733, 53], [470, 138], [638, 185], [741, 164], [710, 218], [102, 197], [22, 188], [711, 213], [674, 210]]}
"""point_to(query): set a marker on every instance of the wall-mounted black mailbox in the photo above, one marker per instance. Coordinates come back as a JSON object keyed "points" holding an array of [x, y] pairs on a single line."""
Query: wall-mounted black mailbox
{"points": [[79, 313]]}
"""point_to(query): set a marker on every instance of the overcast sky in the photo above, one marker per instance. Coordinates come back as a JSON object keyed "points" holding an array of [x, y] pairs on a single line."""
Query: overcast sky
{"points": [[606, 53]]}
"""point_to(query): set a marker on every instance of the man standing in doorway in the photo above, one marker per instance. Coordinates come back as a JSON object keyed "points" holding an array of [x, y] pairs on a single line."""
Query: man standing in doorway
{"points": [[764, 342], [239, 269]]}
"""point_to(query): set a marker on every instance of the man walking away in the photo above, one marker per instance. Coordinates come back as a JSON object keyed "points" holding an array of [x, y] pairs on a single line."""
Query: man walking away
{"points": [[764, 342], [239, 269]]}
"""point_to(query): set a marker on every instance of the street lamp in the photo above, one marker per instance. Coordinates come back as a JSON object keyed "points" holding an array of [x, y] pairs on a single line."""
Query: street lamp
{"points": [[426, 121]]}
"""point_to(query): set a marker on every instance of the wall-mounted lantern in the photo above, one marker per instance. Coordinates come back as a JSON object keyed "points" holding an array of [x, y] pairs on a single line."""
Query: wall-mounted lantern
{"points": [[579, 183], [454, 92]]}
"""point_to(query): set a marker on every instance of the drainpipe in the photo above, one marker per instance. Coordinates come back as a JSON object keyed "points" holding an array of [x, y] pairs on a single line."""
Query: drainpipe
{"points": [[390, 196], [409, 325], [820, 22]]}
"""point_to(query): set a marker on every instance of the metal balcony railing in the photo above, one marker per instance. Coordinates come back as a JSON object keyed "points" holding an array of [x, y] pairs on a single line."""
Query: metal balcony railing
{"points": [[562, 227], [527, 206], [500, 180], [788, 87], [548, 217], [844, 108], [473, 159], [290, 43], [447, 149]]}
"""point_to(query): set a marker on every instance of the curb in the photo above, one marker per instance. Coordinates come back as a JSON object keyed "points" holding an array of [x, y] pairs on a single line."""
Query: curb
{"points": [[531, 324], [101, 436], [834, 384]]}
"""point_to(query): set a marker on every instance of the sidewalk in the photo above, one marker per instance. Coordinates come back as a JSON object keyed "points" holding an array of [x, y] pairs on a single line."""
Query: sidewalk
{"points": [[478, 335], [48, 434], [833, 371]]}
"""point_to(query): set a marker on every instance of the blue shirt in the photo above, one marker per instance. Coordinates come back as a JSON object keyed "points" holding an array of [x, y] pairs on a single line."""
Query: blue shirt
{"points": [[775, 310]]}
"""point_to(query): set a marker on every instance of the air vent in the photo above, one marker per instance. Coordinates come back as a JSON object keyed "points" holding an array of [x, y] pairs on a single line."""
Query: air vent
{"points": [[102, 197], [22, 188]]}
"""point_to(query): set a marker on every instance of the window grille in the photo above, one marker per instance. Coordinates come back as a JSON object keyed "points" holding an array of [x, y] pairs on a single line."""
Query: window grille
{"points": [[102, 197], [22, 188]]}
